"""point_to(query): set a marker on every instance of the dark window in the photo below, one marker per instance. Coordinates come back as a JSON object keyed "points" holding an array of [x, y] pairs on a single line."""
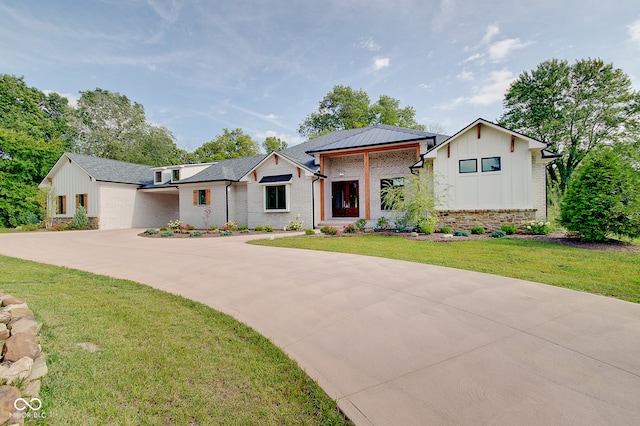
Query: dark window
{"points": [[202, 197], [175, 175], [491, 164], [388, 183], [468, 166], [158, 177], [62, 204], [276, 197]]}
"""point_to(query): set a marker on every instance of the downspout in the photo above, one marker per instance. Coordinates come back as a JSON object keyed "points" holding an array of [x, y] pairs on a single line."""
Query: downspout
{"points": [[226, 198]]}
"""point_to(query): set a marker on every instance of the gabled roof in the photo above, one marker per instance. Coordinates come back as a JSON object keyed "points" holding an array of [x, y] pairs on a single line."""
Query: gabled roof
{"points": [[225, 170], [107, 170], [371, 136]]}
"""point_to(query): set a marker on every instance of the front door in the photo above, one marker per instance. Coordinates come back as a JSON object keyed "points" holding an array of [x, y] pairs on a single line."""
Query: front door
{"points": [[345, 199]]}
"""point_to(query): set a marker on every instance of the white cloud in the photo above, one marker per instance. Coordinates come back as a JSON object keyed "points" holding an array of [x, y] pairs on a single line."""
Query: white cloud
{"points": [[490, 91], [634, 31], [473, 57], [465, 75], [370, 45], [503, 48], [424, 86], [492, 31], [380, 63]]}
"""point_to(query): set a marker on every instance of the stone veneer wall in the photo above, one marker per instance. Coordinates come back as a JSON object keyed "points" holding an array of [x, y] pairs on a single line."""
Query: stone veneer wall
{"points": [[22, 362], [490, 220], [94, 221]]}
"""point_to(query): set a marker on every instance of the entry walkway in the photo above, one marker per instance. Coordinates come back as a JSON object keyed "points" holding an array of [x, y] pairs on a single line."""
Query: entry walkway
{"points": [[395, 343]]}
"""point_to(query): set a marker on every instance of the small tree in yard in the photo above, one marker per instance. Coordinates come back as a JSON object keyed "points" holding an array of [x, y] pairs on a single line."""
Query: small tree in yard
{"points": [[414, 203], [603, 198], [80, 219]]}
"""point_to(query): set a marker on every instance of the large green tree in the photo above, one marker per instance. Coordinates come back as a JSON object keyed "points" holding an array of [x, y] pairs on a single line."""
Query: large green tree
{"points": [[31, 111], [230, 144], [574, 108], [109, 125], [24, 162], [603, 197], [344, 108], [273, 143]]}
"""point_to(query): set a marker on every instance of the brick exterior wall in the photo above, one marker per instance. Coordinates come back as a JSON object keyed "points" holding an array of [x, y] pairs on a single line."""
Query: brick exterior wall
{"points": [[539, 177], [490, 220]]}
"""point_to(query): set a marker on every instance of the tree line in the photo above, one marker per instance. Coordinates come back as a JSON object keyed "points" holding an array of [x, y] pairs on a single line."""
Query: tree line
{"points": [[581, 110]]}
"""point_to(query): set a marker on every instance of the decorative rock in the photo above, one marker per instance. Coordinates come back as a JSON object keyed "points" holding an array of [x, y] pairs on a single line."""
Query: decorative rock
{"points": [[413, 234], [24, 324], [5, 317], [447, 236], [368, 230], [20, 369], [11, 301], [8, 395], [32, 389], [39, 368], [4, 332], [20, 345], [18, 310]]}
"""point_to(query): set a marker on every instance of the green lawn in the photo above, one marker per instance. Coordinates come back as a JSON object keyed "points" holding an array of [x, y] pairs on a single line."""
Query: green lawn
{"points": [[608, 273], [164, 359]]}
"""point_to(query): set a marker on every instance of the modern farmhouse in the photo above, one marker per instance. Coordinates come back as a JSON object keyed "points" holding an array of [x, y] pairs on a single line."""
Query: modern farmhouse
{"points": [[488, 175]]}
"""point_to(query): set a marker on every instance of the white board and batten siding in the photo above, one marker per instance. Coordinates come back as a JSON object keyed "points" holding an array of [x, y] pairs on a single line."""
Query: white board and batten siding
{"points": [[508, 188], [70, 180]]}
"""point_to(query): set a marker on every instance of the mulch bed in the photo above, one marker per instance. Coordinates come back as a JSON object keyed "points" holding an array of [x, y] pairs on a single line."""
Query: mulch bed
{"points": [[560, 237]]}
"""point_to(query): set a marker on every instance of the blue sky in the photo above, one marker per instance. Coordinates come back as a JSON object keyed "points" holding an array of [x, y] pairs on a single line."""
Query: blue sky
{"points": [[201, 66]]}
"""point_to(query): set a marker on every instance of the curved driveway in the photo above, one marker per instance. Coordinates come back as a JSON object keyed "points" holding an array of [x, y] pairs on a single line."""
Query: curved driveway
{"points": [[396, 343]]}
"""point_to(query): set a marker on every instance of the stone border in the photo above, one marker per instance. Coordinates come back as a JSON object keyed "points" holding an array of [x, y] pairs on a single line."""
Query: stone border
{"points": [[22, 362]]}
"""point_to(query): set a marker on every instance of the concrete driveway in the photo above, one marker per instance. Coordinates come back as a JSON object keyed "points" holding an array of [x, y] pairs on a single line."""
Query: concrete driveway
{"points": [[395, 343]]}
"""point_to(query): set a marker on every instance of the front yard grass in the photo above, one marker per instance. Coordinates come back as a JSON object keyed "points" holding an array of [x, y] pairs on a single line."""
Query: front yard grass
{"points": [[163, 359], [608, 273]]}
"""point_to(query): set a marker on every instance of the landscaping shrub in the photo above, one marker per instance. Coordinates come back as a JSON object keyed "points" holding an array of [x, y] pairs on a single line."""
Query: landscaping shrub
{"points": [[151, 231], [445, 230], [295, 225], [230, 226], [603, 197], [243, 228], [226, 233], [196, 234], [498, 234], [461, 233], [310, 232], [425, 228], [383, 223], [166, 234], [29, 227], [32, 219], [259, 228], [80, 219], [361, 223], [477, 230], [163, 228], [350, 229], [174, 225], [213, 228], [509, 228], [329, 230], [190, 227], [268, 228], [538, 227]]}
